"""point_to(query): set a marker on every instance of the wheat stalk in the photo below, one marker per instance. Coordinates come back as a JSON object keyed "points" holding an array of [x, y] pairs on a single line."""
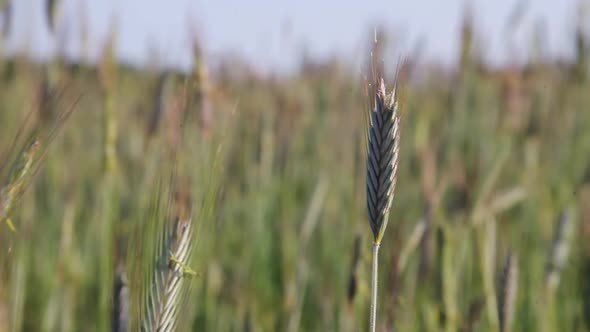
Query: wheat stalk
{"points": [[6, 12], [352, 276], [382, 161], [559, 249], [159, 103], [51, 14], [507, 292], [121, 304]]}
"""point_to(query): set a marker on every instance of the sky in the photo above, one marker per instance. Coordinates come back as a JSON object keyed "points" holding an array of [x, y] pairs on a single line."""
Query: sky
{"points": [[272, 35]]}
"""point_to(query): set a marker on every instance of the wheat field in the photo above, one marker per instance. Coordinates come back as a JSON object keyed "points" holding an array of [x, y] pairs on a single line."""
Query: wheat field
{"points": [[223, 200]]}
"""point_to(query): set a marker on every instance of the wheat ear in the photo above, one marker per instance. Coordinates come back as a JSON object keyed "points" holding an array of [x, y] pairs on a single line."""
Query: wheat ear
{"points": [[382, 161], [164, 297], [18, 179], [161, 265], [32, 145]]}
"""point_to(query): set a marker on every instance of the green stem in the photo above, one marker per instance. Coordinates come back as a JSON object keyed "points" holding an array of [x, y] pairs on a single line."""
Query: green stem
{"points": [[373, 317]]}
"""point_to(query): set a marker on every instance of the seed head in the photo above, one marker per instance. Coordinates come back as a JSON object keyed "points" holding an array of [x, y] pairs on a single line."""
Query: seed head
{"points": [[382, 159]]}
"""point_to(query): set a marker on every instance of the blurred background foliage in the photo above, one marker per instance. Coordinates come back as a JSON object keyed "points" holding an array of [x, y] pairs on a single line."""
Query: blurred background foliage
{"points": [[494, 163]]}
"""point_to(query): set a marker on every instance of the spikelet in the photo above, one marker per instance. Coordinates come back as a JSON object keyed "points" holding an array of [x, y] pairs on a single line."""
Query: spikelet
{"points": [[507, 292], [382, 160]]}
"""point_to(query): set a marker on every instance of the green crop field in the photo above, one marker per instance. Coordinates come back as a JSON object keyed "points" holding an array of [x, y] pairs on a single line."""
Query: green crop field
{"points": [[223, 200]]}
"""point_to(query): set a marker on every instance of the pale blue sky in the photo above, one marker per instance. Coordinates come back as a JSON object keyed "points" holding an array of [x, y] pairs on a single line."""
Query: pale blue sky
{"points": [[272, 34]]}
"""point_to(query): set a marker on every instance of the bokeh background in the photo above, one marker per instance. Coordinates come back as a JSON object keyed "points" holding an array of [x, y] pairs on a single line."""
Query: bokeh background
{"points": [[261, 106]]}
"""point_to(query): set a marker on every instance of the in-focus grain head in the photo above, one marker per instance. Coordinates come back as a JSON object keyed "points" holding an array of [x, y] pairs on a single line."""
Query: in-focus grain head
{"points": [[382, 159]]}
